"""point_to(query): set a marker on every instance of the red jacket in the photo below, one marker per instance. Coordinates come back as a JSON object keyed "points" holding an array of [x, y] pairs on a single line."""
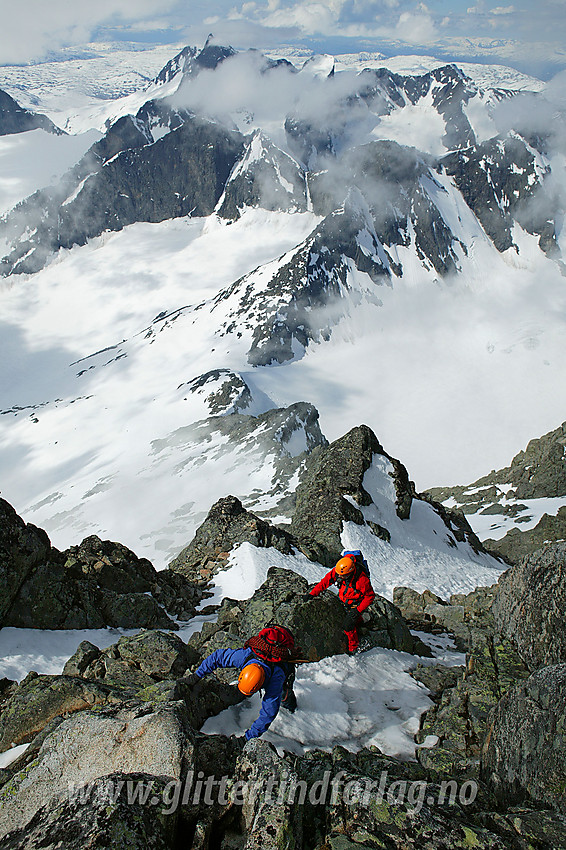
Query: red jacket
{"points": [[355, 592]]}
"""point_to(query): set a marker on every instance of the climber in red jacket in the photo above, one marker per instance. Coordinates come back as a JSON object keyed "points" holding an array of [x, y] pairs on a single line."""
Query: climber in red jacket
{"points": [[351, 574]]}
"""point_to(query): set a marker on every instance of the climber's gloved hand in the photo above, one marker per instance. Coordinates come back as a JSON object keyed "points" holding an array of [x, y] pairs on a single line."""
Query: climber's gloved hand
{"points": [[191, 680], [351, 620], [306, 597]]}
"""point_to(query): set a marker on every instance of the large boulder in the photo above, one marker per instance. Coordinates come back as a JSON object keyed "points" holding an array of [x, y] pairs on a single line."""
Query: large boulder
{"points": [[22, 548], [38, 699], [228, 523], [529, 606], [524, 754], [90, 745], [103, 817], [135, 661]]}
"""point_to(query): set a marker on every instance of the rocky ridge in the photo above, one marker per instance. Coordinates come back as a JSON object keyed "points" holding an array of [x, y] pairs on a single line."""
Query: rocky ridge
{"points": [[16, 119], [95, 584], [147, 712], [135, 174], [131, 713], [537, 473]]}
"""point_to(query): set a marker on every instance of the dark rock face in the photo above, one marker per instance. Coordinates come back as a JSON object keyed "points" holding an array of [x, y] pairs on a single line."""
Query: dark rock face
{"points": [[524, 755], [529, 606], [457, 724], [225, 391], [22, 548], [177, 65], [390, 177], [495, 179], [15, 119], [100, 583], [227, 524], [332, 474], [284, 311], [183, 173], [95, 584], [265, 177]]}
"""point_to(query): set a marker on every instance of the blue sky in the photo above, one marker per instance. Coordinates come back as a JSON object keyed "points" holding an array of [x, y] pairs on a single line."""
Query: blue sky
{"points": [[525, 34]]}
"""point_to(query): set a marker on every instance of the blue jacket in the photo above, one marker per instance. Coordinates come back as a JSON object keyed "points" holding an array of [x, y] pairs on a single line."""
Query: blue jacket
{"points": [[273, 686]]}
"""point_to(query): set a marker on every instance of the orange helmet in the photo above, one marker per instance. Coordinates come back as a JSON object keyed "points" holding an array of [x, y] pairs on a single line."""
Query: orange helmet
{"points": [[251, 678], [345, 566]]}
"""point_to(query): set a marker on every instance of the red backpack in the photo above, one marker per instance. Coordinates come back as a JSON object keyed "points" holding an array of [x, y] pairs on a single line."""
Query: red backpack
{"points": [[274, 643]]}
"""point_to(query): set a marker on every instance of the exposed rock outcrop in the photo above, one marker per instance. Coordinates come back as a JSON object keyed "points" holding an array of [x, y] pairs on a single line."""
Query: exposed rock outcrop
{"points": [[136, 661], [466, 616], [316, 623], [530, 603], [95, 584], [538, 472], [524, 754], [22, 548], [227, 524], [15, 119], [332, 475]]}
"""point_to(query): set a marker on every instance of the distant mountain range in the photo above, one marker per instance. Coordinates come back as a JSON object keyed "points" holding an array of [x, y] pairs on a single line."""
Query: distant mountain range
{"points": [[316, 222]]}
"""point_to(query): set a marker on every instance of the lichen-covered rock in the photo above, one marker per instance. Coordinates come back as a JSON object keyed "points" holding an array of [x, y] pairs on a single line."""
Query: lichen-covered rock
{"points": [[437, 677], [529, 606], [38, 699], [524, 753], [102, 817], [380, 803], [90, 745], [460, 718], [22, 548], [227, 524], [85, 653], [466, 616], [268, 823], [135, 661]]}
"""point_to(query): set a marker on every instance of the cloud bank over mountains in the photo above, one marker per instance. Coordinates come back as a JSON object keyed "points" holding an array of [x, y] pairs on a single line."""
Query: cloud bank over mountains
{"points": [[516, 34]]}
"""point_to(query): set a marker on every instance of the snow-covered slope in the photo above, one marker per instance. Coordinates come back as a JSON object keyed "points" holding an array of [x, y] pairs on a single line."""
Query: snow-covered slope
{"points": [[382, 284]]}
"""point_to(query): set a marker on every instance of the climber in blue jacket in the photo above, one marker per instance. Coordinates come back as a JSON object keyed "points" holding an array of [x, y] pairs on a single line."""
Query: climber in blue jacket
{"points": [[265, 662]]}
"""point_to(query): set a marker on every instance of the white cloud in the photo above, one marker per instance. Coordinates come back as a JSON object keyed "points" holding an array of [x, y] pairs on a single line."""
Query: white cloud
{"points": [[417, 28], [311, 17], [31, 28], [503, 10]]}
